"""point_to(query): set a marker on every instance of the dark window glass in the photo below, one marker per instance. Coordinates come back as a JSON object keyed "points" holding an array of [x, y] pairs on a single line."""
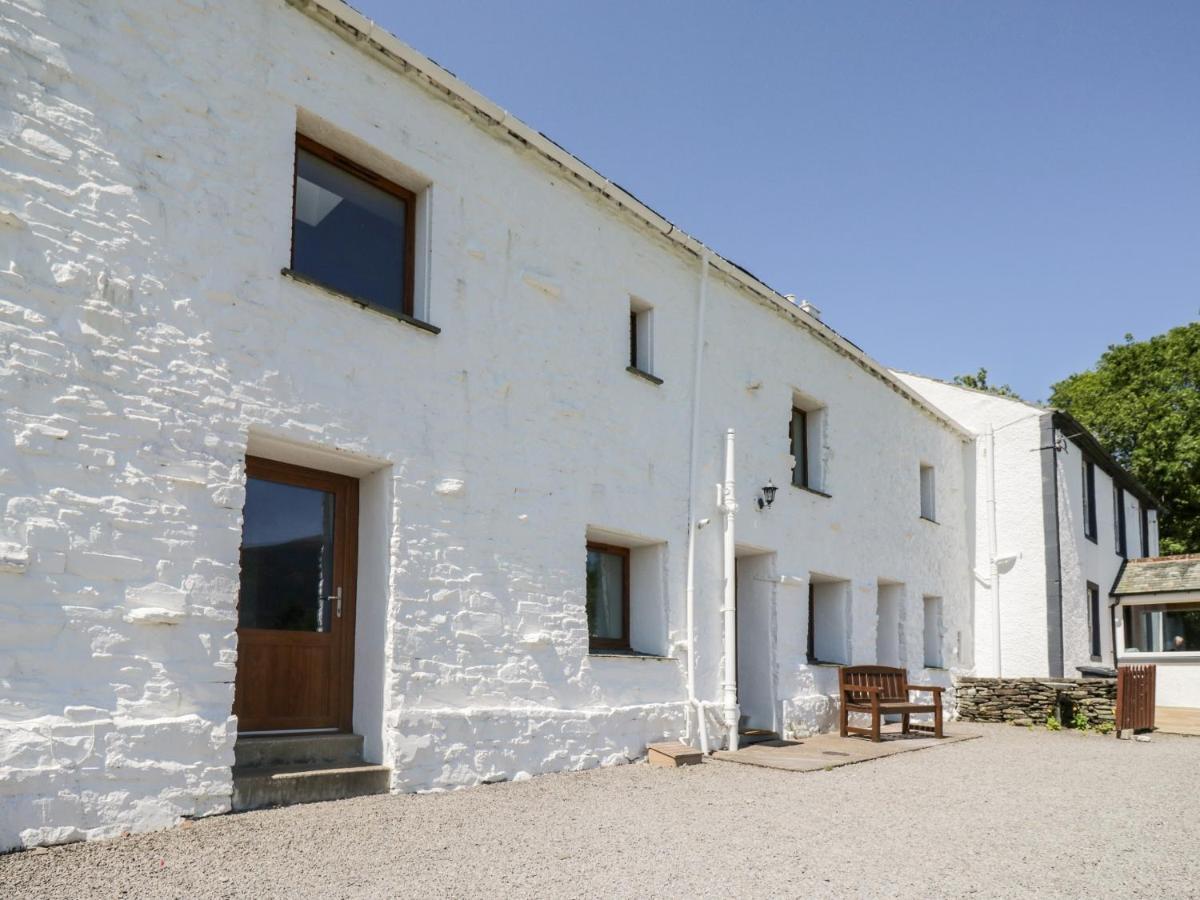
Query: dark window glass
{"points": [[799, 445], [608, 596], [350, 234], [1089, 500], [287, 557], [633, 339], [1145, 531], [1093, 593], [810, 652], [1119, 504], [1164, 628]]}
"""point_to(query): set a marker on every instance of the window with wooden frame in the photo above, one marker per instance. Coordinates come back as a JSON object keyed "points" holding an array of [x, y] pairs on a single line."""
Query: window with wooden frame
{"points": [[607, 596], [641, 340], [1089, 500], [353, 231], [1145, 530]]}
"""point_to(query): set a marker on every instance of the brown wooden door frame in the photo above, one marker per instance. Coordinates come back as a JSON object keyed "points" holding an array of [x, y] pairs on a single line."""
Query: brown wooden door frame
{"points": [[340, 637]]}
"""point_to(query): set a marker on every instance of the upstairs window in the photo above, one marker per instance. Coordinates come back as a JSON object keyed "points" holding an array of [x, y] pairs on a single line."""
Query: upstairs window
{"points": [[1089, 500], [1145, 529], [1119, 519], [607, 596], [352, 230], [641, 340], [928, 494], [805, 441], [799, 441]]}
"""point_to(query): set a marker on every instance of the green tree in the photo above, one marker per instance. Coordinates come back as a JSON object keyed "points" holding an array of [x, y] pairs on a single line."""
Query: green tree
{"points": [[1142, 402], [979, 382]]}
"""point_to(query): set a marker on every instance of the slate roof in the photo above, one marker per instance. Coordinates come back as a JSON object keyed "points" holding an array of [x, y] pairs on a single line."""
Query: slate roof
{"points": [[1159, 575]]}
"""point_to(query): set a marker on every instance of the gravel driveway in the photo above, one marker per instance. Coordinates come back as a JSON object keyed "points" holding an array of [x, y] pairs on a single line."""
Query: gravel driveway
{"points": [[1017, 813]]}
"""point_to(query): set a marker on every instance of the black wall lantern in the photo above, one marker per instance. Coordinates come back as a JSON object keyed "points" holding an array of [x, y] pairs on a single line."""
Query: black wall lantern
{"points": [[768, 494]]}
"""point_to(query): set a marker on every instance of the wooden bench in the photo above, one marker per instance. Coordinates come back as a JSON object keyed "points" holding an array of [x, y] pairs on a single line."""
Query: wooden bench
{"points": [[882, 690]]}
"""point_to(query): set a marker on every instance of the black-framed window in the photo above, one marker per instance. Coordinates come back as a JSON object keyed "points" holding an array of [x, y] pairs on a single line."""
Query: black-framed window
{"points": [[353, 231], [1119, 520], [1089, 500], [607, 596], [1093, 601], [810, 653], [798, 438], [1145, 523]]}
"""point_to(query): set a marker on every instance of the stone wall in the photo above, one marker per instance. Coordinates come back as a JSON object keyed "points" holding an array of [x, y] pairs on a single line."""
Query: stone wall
{"points": [[149, 342], [1028, 701]]}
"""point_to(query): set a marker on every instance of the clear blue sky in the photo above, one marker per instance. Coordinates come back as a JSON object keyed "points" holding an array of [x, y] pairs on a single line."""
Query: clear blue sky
{"points": [[1010, 184]]}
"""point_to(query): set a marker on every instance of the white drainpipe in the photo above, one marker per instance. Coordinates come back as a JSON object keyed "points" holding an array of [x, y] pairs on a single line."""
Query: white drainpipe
{"points": [[993, 563], [728, 509], [693, 701]]}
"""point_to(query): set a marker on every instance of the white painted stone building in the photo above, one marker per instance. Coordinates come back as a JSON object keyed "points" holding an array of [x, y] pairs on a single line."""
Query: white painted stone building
{"points": [[1053, 520], [160, 332]]}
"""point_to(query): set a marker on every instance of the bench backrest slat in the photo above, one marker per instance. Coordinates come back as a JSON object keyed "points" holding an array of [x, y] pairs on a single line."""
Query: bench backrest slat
{"points": [[892, 682]]}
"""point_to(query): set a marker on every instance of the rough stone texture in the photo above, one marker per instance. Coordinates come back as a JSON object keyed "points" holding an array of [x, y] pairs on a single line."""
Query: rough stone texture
{"points": [[1014, 814], [1029, 701], [148, 342]]}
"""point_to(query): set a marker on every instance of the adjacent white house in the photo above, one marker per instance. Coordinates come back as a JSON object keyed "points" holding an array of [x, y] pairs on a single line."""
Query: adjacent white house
{"points": [[1158, 621], [1053, 519], [339, 401]]}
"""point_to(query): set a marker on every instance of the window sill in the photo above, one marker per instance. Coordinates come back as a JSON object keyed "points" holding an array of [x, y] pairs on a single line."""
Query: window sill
{"points": [[929, 520], [929, 668], [820, 663], [812, 490], [1091, 537], [365, 304], [634, 370], [1159, 656], [600, 653]]}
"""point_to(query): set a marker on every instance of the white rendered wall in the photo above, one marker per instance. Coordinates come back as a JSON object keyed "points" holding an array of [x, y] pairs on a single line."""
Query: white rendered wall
{"points": [[1085, 560], [1020, 531], [151, 342]]}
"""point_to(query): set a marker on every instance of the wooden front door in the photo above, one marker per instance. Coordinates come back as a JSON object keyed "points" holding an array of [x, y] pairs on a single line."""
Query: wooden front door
{"points": [[296, 601]]}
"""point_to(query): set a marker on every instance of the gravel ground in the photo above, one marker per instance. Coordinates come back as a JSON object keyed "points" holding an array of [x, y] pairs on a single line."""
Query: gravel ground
{"points": [[1017, 813]]}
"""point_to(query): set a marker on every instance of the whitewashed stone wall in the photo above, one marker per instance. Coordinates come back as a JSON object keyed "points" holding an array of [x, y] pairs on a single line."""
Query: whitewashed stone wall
{"points": [[1020, 530], [148, 342]]}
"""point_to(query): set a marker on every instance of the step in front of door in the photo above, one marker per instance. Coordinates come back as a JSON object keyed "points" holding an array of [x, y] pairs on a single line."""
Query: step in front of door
{"points": [[258, 787], [283, 769]]}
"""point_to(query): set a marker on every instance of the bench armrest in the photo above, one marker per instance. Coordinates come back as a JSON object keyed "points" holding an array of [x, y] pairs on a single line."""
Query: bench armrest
{"points": [[933, 688]]}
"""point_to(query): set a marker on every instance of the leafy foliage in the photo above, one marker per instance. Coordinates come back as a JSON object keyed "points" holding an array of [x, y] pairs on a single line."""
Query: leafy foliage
{"points": [[1142, 402], [979, 382]]}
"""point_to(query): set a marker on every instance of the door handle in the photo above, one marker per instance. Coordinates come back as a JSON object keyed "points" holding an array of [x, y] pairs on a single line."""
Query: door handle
{"points": [[336, 600]]}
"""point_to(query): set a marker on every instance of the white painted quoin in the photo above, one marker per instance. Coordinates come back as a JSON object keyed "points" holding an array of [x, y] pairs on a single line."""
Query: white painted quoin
{"points": [[1036, 560], [150, 344]]}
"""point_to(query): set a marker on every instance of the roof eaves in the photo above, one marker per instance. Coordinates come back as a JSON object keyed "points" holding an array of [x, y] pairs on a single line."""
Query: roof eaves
{"points": [[361, 31]]}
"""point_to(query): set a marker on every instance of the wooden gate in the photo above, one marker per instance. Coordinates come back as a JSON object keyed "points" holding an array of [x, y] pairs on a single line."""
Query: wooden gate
{"points": [[1135, 698]]}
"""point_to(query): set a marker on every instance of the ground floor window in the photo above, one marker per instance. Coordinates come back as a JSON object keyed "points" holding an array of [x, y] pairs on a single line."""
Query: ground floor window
{"points": [[933, 632], [1162, 628], [1093, 596], [827, 631], [608, 596]]}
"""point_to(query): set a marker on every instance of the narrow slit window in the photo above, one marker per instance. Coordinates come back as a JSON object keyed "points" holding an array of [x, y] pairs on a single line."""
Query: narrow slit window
{"points": [[352, 230], [1089, 500], [1093, 597], [798, 436], [641, 337], [933, 632], [928, 494], [1119, 520]]}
